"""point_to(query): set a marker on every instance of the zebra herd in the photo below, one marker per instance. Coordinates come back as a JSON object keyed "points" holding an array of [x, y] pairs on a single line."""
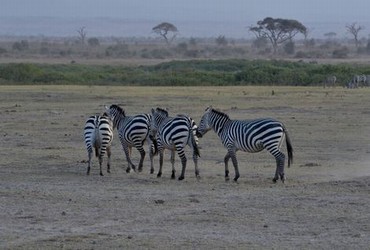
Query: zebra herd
{"points": [[161, 132], [355, 82]]}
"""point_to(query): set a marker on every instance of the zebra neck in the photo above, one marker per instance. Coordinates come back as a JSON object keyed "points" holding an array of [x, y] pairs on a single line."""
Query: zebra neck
{"points": [[219, 124], [120, 121]]}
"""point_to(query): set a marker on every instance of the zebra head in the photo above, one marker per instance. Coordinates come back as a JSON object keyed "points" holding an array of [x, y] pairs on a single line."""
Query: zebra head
{"points": [[115, 113], [204, 124], [158, 115]]}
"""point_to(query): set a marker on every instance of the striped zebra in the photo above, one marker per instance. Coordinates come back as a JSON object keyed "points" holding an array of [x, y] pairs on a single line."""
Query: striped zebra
{"points": [[98, 134], [357, 81], [133, 131], [174, 133], [330, 81], [250, 136]]}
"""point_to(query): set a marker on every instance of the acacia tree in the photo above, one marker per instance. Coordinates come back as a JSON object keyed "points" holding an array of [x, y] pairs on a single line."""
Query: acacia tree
{"points": [[82, 35], [354, 29], [164, 30], [278, 30]]}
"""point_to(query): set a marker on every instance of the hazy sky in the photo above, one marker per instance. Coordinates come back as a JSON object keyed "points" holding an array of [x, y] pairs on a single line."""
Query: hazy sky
{"points": [[237, 11]]}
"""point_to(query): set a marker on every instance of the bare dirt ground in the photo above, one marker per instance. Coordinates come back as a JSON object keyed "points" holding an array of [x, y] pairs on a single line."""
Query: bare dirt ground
{"points": [[48, 202]]}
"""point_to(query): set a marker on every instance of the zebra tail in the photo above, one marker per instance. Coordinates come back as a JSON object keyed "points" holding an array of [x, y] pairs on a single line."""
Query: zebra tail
{"points": [[289, 147], [97, 142], [194, 142]]}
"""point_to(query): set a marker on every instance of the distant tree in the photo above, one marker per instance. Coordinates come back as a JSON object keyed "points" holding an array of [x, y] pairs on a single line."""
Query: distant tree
{"points": [[330, 35], [354, 29], [164, 30], [278, 30], [93, 42], [221, 40], [22, 45], [82, 35]]}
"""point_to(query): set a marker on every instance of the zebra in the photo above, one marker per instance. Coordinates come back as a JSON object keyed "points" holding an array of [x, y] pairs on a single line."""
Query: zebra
{"points": [[133, 131], [250, 136], [98, 134], [330, 81], [357, 81], [174, 133]]}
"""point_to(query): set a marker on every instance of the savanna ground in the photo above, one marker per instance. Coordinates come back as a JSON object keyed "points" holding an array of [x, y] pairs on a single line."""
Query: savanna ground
{"points": [[48, 201]]}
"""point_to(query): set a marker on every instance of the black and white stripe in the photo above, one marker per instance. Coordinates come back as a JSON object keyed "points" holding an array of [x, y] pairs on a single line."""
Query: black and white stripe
{"points": [[250, 136], [98, 134], [174, 133], [357, 81], [133, 131]]}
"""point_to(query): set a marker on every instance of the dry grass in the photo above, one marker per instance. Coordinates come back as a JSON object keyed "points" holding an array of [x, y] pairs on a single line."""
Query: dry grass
{"points": [[47, 201]]}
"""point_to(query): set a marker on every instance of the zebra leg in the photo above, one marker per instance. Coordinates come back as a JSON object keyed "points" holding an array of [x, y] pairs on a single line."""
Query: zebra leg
{"points": [[89, 163], [100, 164], [160, 163], [182, 156], [226, 160], [151, 156], [142, 157], [280, 160], [173, 164], [109, 153], [127, 151], [235, 163], [195, 159]]}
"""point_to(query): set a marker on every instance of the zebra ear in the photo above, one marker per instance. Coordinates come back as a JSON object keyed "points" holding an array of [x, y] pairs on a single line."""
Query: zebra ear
{"points": [[153, 110], [209, 108], [106, 107]]}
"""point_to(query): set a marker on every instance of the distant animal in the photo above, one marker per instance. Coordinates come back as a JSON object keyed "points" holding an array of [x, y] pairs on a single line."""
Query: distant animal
{"points": [[357, 81], [330, 81], [98, 134], [174, 133], [250, 136], [133, 131]]}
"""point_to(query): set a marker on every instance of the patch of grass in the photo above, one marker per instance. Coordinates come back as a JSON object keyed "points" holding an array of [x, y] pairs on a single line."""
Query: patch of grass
{"points": [[181, 73]]}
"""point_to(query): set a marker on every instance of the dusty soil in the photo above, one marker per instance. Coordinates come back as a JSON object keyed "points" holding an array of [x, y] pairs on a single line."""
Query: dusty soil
{"points": [[47, 201]]}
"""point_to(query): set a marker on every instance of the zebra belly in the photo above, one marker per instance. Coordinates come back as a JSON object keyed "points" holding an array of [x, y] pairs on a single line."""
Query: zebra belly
{"points": [[256, 147]]}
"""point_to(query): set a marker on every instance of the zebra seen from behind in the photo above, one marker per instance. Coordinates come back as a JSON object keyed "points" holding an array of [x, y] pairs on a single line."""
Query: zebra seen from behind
{"points": [[98, 134], [174, 133], [250, 136], [133, 131]]}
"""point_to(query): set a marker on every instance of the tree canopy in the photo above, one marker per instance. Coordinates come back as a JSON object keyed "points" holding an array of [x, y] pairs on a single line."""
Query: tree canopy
{"points": [[278, 30], [164, 29]]}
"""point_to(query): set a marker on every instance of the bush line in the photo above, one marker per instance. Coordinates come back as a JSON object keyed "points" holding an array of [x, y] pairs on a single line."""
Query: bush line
{"points": [[182, 73]]}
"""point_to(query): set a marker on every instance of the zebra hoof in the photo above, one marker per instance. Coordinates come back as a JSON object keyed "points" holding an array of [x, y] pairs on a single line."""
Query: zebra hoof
{"points": [[227, 178], [181, 178], [152, 171], [274, 180], [159, 175], [101, 174], [140, 170], [236, 177], [128, 170]]}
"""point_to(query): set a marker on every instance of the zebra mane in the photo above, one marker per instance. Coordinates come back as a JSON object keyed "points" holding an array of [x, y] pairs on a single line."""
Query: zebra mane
{"points": [[118, 108], [218, 112], [165, 112]]}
